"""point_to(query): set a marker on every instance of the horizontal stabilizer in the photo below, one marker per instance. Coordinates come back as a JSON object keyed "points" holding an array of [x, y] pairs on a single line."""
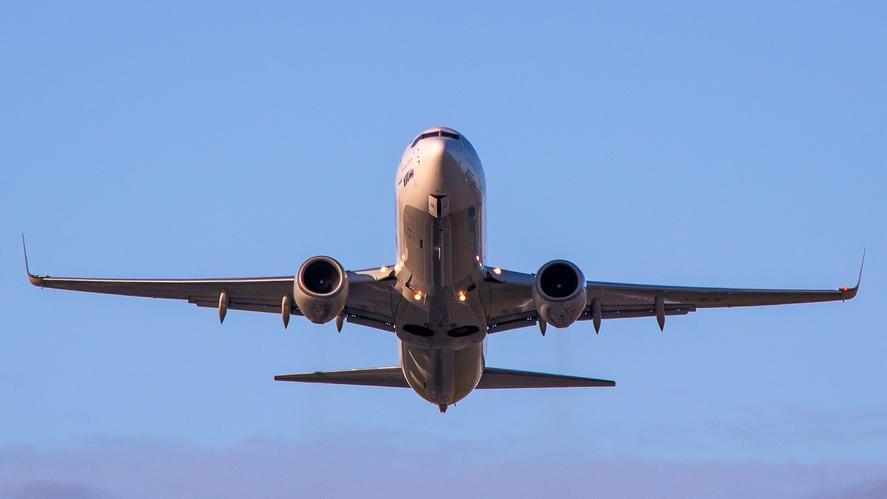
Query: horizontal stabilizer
{"points": [[377, 376], [509, 378], [492, 378]]}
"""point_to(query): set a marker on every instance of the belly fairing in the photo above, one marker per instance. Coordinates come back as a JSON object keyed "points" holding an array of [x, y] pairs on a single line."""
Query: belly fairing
{"points": [[442, 376]]}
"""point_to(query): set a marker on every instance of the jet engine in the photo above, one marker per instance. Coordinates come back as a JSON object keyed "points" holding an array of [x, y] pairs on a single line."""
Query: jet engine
{"points": [[321, 289], [559, 293]]}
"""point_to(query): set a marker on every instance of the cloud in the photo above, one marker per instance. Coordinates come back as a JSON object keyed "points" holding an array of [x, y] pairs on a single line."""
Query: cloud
{"points": [[380, 465]]}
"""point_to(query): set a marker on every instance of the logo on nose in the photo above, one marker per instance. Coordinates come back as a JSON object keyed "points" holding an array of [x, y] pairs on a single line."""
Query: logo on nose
{"points": [[407, 177]]}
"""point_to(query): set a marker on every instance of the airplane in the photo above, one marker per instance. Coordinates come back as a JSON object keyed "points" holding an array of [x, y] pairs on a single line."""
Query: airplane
{"points": [[441, 298]]}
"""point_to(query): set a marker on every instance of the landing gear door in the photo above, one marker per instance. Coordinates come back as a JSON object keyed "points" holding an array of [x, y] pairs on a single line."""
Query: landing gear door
{"points": [[438, 206]]}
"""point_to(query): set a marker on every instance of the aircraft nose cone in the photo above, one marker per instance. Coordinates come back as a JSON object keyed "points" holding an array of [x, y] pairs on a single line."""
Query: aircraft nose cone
{"points": [[441, 167], [438, 149]]}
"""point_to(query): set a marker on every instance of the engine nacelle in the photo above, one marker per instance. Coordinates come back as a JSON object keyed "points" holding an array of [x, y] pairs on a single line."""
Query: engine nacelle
{"points": [[321, 289], [559, 293]]}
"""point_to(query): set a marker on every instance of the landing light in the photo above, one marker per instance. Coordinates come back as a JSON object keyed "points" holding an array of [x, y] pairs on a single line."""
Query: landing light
{"points": [[497, 270], [418, 295], [462, 295]]}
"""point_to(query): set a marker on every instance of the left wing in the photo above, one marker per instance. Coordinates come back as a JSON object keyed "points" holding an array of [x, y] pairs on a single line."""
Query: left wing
{"points": [[370, 299], [511, 302]]}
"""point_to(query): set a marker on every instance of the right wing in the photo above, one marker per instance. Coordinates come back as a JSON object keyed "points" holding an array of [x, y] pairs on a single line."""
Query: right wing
{"points": [[257, 294], [371, 297]]}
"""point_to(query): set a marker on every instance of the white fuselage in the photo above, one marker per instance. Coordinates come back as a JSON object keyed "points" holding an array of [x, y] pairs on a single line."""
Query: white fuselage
{"points": [[441, 323]]}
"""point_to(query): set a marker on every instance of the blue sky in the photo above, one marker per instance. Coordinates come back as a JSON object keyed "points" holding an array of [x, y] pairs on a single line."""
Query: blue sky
{"points": [[685, 143]]}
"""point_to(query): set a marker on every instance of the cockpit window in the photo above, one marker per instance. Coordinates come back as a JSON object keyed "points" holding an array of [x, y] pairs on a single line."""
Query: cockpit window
{"points": [[436, 133], [425, 136]]}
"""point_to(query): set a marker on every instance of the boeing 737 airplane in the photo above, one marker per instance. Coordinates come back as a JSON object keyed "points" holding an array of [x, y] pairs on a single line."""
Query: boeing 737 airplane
{"points": [[441, 298]]}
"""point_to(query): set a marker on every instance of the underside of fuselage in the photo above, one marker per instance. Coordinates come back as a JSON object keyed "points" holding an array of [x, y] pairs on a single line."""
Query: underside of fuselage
{"points": [[441, 322]]}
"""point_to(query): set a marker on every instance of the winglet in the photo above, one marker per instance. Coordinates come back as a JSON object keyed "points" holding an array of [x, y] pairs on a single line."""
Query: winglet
{"points": [[849, 293], [861, 266], [35, 279]]}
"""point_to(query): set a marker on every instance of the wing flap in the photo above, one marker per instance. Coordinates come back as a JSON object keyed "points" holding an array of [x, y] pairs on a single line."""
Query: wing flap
{"points": [[509, 378], [255, 290], [616, 295]]}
